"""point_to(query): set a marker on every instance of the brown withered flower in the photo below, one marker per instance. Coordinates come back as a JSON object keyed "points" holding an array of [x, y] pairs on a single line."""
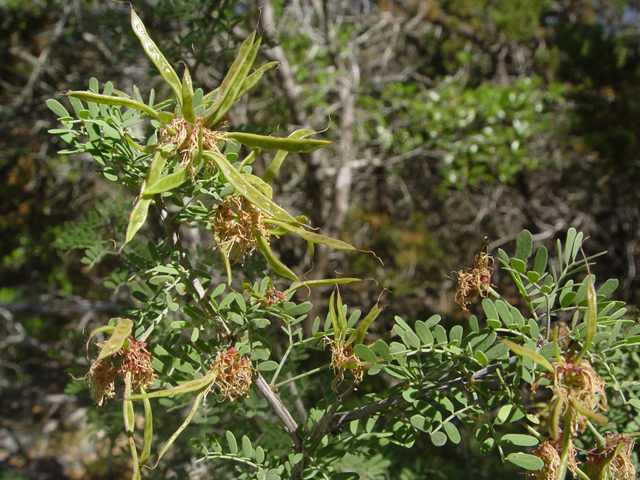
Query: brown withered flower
{"points": [[549, 453], [271, 297], [137, 360], [234, 219], [185, 137], [615, 459], [476, 281], [234, 374], [342, 359], [584, 384], [101, 380]]}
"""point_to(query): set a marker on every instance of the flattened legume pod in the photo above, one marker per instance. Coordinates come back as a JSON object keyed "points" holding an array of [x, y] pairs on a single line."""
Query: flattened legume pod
{"points": [[273, 261], [313, 237], [223, 99], [248, 191], [291, 145], [117, 101], [153, 52], [279, 157]]}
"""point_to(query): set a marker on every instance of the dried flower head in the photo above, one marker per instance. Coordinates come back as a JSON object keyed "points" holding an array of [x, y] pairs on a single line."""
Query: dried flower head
{"points": [[549, 453], [615, 458], [185, 138], [476, 281], [343, 358], [271, 297], [234, 374], [235, 217], [584, 384], [137, 360], [101, 380]]}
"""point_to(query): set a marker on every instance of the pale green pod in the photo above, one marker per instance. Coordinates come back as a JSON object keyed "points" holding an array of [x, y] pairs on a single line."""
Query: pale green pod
{"points": [[148, 430], [187, 98], [342, 318], [184, 425], [255, 77], [337, 331], [248, 191], [116, 101], [320, 283], [530, 354], [275, 264], [153, 52], [129, 425], [168, 182], [357, 337], [186, 387], [291, 145], [234, 76], [140, 210], [138, 218], [583, 410], [278, 159], [120, 334], [591, 317], [312, 237], [140, 148]]}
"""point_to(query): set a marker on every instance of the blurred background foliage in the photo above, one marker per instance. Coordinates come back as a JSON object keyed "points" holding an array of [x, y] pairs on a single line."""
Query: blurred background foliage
{"points": [[453, 120]]}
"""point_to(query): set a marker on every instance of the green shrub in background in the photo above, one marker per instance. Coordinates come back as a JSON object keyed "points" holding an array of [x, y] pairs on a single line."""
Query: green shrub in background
{"points": [[544, 380]]}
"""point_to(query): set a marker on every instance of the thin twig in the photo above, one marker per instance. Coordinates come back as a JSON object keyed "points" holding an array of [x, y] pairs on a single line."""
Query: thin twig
{"points": [[290, 425], [369, 410]]}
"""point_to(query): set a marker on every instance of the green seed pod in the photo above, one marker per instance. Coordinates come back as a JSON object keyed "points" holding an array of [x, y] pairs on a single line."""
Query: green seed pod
{"points": [[187, 98], [153, 52], [232, 82], [279, 157], [168, 182], [121, 332], [312, 237], [148, 430], [120, 102], [275, 264], [255, 77], [291, 145], [248, 191]]}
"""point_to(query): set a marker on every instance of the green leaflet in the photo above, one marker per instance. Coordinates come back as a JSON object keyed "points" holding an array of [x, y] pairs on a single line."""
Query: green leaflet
{"points": [[248, 191], [273, 261], [153, 52], [291, 145], [279, 157]]}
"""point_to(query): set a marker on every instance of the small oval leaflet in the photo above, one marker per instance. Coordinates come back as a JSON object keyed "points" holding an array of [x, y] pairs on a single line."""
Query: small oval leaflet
{"points": [[438, 439], [520, 440], [525, 460], [267, 366]]}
